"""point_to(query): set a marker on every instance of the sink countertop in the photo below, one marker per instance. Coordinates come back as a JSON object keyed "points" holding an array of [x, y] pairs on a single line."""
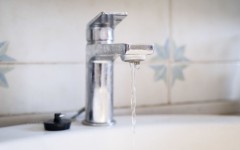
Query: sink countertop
{"points": [[20, 132]]}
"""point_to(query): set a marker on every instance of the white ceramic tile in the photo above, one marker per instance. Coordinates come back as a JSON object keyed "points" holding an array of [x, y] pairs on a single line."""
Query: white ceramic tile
{"points": [[148, 91], [43, 30], [43, 88], [208, 82], [55, 30], [147, 22], [210, 30]]}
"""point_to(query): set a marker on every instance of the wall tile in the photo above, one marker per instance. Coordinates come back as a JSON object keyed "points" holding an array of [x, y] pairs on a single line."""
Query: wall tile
{"points": [[210, 30], [43, 30], [148, 91], [40, 31], [208, 82], [147, 22], [42, 88]]}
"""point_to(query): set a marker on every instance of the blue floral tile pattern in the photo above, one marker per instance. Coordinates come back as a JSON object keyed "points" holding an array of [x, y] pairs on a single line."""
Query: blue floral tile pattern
{"points": [[3, 80], [3, 50], [4, 69], [163, 53], [160, 72], [177, 73], [179, 54]]}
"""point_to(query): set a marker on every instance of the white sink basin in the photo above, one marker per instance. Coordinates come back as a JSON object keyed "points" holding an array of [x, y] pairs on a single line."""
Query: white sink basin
{"points": [[152, 133]]}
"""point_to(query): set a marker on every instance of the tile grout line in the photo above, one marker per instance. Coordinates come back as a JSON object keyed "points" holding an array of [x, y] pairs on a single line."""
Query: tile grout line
{"points": [[196, 62], [163, 62], [204, 102], [210, 62], [39, 63], [169, 82], [169, 63], [170, 18]]}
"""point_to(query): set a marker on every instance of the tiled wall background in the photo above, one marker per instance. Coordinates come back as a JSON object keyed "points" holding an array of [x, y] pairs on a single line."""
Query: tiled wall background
{"points": [[42, 64]]}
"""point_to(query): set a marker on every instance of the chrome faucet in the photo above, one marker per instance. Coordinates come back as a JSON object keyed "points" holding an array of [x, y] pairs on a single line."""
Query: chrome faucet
{"points": [[100, 55]]}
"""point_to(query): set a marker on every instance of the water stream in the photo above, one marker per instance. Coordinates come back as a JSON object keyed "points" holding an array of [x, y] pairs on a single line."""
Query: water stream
{"points": [[133, 66]]}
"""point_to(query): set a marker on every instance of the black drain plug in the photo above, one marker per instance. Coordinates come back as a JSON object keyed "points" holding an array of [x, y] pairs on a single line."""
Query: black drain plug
{"points": [[58, 123]]}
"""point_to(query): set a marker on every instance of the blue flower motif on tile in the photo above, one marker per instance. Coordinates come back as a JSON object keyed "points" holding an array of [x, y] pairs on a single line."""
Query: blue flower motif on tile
{"points": [[4, 69], [161, 51], [160, 72], [3, 50], [177, 73], [179, 54], [171, 54], [3, 80]]}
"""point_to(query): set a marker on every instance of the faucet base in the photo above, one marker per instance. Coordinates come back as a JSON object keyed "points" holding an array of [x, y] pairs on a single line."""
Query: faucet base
{"points": [[85, 122]]}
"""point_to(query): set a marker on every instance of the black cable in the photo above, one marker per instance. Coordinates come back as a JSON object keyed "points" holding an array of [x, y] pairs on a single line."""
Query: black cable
{"points": [[78, 113]]}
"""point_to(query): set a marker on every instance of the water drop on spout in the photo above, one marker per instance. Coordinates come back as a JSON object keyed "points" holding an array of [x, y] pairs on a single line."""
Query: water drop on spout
{"points": [[137, 65]]}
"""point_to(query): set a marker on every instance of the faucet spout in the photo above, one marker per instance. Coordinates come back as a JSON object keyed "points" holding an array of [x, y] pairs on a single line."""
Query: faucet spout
{"points": [[136, 53], [127, 52]]}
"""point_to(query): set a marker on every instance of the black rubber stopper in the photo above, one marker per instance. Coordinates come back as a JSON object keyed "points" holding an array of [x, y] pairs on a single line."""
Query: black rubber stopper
{"points": [[58, 123]]}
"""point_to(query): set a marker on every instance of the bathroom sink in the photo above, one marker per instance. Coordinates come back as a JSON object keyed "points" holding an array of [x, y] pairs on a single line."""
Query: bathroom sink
{"points": [[152, 133]]}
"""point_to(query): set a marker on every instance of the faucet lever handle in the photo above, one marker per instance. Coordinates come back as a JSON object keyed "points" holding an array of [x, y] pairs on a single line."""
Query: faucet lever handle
{"points": [[101, 28], [104, 19]]}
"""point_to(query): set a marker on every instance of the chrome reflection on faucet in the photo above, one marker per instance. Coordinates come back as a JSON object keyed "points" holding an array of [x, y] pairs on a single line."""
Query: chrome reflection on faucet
{"points": [[101, 53]]}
